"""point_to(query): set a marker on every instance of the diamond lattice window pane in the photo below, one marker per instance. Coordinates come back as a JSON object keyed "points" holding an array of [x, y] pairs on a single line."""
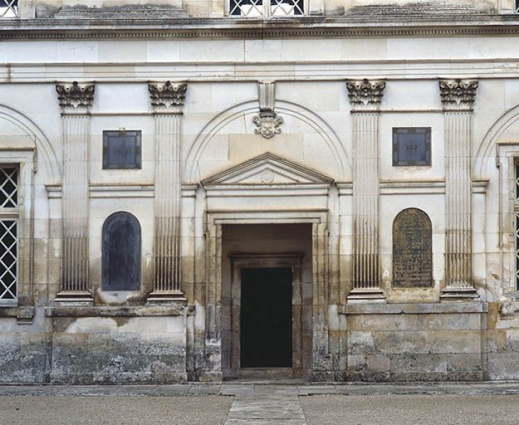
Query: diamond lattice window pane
{"points": [[9, 9], [246, 8], [8, 260], [286, 7], [8, 187]]}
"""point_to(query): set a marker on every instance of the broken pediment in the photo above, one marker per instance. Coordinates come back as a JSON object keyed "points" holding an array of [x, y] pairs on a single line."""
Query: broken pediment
{"points": [[267, 169]]}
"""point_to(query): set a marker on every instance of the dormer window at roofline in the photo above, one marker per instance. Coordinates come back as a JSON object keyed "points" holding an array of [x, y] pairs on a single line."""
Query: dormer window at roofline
{"points": [[266, 8], [9, 9]]}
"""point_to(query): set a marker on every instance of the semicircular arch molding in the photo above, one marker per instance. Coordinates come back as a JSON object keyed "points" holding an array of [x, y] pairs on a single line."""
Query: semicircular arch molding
{"points": [[284, 108], [496, 130], [34, 132]]}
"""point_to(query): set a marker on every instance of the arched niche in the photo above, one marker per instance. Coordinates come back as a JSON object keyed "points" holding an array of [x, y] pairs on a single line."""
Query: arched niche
{"points": [[412, 250], [237, 121], [121, 253]]}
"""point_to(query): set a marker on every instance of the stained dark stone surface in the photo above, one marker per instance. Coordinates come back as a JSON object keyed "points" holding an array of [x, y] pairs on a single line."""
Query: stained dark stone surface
{"points": [[121, 253], [412, 250]]}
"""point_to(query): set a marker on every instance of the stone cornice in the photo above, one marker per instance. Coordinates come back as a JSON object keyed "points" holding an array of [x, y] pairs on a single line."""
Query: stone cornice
{"points": [[227, 28]]}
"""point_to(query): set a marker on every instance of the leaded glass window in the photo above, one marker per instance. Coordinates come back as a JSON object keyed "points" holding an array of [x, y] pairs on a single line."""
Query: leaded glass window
{"points": [[9, 215], [9, 9], [516, 6], [266, 8]]}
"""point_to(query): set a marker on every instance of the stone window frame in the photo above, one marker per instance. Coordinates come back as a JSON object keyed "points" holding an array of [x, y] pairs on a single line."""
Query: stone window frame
{"points": [[24, 160], [261, 9], [507, 154]]}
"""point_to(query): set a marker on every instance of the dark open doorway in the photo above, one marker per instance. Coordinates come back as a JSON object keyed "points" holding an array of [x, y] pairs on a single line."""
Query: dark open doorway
{"points": [[266, 317]]}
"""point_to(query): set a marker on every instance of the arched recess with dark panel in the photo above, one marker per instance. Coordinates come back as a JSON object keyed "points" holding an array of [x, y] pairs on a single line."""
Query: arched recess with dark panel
{"points": [[412, 250], [121, 253]]}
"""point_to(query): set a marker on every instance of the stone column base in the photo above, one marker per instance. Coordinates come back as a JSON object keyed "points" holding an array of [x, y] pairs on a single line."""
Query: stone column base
{"points": [[459, 294], [158, 297], [361, 295], [74, 297]]}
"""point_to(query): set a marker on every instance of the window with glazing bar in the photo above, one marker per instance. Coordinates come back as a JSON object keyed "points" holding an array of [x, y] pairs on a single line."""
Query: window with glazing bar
{"points": [[266, 8], [9, 9], [9, 217]]}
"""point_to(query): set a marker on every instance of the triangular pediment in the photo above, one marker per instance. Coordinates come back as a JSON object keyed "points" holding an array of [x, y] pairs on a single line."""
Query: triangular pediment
{"points": [[268, 169]]}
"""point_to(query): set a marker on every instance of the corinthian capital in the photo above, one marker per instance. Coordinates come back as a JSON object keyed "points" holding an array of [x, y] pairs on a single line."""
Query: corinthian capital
{"points": [[75, 97], [365, 93], [167, 97], [458, 93]]}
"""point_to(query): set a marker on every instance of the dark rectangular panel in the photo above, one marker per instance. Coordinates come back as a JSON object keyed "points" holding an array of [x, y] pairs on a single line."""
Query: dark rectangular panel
{"points": [[411, 146], [122, 149]]}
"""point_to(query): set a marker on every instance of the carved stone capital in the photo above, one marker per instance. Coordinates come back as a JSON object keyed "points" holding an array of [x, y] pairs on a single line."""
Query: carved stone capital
{"points": [[75, 97], [458, 93], [168, 96], [365, 93], [268, 124]]}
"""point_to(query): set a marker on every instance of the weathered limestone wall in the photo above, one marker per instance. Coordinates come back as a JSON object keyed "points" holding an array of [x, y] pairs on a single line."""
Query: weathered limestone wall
{"points": [[412, 336], [420, 342]]}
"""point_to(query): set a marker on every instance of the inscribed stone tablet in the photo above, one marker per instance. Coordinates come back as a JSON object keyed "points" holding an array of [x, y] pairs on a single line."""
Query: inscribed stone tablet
{"points": [[412, 250]]}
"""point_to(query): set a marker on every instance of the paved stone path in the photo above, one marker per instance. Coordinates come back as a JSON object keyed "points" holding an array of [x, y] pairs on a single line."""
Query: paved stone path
{"points": [[267, 405]]}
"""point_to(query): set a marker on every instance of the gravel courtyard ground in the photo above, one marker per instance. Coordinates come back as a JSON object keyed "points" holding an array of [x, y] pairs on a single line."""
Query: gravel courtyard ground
{"points": [[414, 409], [262, 404], [176, 410]]}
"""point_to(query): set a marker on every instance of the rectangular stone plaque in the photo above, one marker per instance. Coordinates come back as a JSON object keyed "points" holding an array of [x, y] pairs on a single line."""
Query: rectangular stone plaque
{"points": [[411, 146], [122, 149]]}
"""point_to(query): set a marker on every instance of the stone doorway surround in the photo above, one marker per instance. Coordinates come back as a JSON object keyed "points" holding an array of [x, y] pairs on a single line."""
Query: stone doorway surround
{"points": [[251, 261], [242, 194]]}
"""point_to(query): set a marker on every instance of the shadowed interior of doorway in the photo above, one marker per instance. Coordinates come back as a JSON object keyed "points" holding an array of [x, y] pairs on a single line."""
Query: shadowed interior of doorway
{"points": [[266, 317], [267, 278]]}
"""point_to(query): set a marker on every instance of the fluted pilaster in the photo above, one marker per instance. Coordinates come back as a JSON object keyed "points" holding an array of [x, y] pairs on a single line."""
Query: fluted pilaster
{"points": [[365, 97], [75, 100], [167, 99], [458, 97]]}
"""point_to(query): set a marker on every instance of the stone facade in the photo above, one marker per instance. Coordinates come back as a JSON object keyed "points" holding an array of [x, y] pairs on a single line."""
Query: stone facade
{"points": [[259, 143]]}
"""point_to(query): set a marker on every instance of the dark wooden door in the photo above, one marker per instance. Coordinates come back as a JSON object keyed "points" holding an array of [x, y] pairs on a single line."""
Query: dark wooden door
{"points": [[266, 317]]}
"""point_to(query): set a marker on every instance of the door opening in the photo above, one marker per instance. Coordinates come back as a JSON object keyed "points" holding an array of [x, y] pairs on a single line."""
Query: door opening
{"points": [[266, 317]]}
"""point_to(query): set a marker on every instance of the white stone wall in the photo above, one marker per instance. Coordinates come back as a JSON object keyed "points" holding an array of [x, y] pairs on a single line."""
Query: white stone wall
{"points": [[217, 133]]}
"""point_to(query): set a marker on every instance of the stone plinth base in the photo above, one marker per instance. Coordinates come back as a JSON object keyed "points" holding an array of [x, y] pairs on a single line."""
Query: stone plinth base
{"points": [[374, 295], [459, 294], [74, 298]]}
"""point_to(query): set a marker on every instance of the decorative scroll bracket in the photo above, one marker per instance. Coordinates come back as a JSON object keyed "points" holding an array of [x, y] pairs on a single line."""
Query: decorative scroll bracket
{"points": [[267, 121]]}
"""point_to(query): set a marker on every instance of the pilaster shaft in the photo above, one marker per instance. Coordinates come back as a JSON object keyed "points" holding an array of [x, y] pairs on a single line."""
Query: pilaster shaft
{"points": [[458, 97], [365, 97], [167, 100], [75, 100]]}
